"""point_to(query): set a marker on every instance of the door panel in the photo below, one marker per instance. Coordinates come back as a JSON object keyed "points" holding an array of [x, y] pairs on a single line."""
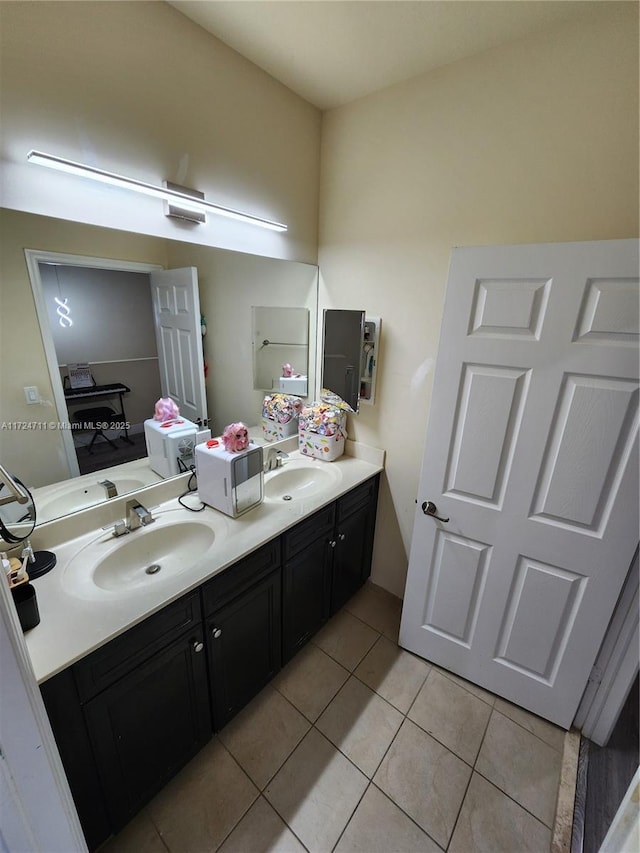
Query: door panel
{"points": [[588, 450], [532, 453], [176, 310], [489, 409]]}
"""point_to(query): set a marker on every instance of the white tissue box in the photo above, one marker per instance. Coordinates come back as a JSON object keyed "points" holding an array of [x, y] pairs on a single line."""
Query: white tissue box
{"points": [[325, 447], [274, 431]]}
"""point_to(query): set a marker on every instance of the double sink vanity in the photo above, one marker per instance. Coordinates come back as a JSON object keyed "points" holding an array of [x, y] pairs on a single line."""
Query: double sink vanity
{"points": [[150, 642]]}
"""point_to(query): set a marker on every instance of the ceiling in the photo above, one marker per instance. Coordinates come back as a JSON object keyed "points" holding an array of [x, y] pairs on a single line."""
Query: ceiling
{"points": [[333, 51]]}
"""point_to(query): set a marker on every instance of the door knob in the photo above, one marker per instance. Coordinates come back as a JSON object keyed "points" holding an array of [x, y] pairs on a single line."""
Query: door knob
{"points": [[216, 632], [429, 508], [197, 646]]}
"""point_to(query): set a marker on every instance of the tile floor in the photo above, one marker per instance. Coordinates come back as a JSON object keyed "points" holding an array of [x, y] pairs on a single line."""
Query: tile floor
{"points": [[358, 745]]}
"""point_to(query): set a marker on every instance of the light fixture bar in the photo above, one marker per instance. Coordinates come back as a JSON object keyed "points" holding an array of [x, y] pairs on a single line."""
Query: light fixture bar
{"points": [[185, 201]]}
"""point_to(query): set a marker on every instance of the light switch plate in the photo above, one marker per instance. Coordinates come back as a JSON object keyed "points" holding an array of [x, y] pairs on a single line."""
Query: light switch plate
{"points": [[31, 394]]}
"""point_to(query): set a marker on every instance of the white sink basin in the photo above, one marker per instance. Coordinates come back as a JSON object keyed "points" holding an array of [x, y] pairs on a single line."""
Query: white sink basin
{"points": [[71, 498], [300, 478], [140, 559]]}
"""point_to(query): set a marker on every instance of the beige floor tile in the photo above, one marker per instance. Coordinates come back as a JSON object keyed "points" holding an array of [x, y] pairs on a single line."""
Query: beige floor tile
{"points": [[425, 779], [378, 608], [480, 692], [521, 765], [316, 792], [264, 734], [310, 681], [261, 830], [394, 674], [379, 826], [138, 836], [490, 822], [452, 715], [546, 731], [361, 724], [346, 639], [201, 805]]}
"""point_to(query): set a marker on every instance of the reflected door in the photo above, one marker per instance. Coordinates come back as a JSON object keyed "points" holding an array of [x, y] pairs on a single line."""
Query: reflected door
{"points": [[531, 462], [176, 313]]}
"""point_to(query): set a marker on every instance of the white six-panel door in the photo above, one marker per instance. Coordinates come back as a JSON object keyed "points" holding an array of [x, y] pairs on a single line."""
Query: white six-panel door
{"points": [[176, 313], [532, 455]]}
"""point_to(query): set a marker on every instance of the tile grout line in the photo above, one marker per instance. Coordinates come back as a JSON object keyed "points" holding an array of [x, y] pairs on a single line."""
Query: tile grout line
{"points": [[473, 770], [344, 828]]}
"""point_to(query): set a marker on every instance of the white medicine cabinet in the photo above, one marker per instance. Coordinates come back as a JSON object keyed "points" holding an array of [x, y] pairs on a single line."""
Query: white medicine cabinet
{"points": [[369, 359]]}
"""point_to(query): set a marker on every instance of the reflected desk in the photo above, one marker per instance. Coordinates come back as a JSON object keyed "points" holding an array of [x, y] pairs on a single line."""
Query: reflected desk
{"points": [[115, 389]]}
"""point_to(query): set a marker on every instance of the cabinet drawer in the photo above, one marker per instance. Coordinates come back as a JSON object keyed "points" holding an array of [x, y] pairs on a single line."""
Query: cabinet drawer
{"points": [[243, 574], [361, 496], [106, 665], [303, 534]]}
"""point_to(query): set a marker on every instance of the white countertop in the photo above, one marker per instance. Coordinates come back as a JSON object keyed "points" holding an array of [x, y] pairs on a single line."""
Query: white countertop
{"points": [[74, 622]]}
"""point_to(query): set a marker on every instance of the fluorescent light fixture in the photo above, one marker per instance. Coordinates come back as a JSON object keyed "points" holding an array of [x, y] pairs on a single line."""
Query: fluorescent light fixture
{"points": [[184, 201]]}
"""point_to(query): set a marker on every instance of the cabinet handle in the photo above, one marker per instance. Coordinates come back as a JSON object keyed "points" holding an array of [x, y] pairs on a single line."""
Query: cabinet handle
{"points": [[197, 646], [331, 543], [341, 537], [216, 632]]}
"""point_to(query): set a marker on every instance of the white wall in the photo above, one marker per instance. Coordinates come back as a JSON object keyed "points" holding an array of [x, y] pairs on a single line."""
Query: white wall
{"points": [[138, 89], [536, 141]]}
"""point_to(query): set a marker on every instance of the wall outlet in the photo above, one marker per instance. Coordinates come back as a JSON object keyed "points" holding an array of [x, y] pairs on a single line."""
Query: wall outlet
{"points": [[31, 394]]}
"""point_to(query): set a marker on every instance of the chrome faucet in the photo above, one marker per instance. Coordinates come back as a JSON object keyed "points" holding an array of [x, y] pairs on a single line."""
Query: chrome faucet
{"points": [[137, 515], [110, 488], [274, 459]]}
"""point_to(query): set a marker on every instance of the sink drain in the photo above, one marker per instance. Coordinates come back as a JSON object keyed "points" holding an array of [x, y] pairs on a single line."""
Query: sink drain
{"points": [[287, 498], [153, 569]]}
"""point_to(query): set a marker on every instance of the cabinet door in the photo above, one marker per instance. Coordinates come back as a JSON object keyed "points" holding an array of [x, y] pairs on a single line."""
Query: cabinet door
{"points": [[306, 591], [147, 725], [350, 569], [67, 721], [244, 641]]}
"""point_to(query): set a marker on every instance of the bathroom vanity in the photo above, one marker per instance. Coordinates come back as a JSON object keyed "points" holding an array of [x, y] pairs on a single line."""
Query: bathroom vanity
{"points": [[134, 709]]}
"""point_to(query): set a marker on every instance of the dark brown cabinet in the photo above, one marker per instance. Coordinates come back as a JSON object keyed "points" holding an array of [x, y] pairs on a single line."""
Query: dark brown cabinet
{"points": [[128, 716], [327, 558], [147, 725], [352, 542], [243, 626], [306, 579]]}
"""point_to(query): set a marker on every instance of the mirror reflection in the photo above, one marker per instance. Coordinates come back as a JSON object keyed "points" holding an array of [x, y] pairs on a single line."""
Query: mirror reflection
{"points": [[17, 510], [101, 324], [280, 349], [32, 431]]}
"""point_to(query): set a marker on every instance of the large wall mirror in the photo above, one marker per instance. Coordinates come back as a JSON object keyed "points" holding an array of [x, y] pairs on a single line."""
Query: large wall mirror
{"points": [[230, 285]]}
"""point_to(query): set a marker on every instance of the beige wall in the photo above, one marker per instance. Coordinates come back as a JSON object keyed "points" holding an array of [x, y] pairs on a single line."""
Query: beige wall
{"points": [[138, 89], [536, 141]]}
